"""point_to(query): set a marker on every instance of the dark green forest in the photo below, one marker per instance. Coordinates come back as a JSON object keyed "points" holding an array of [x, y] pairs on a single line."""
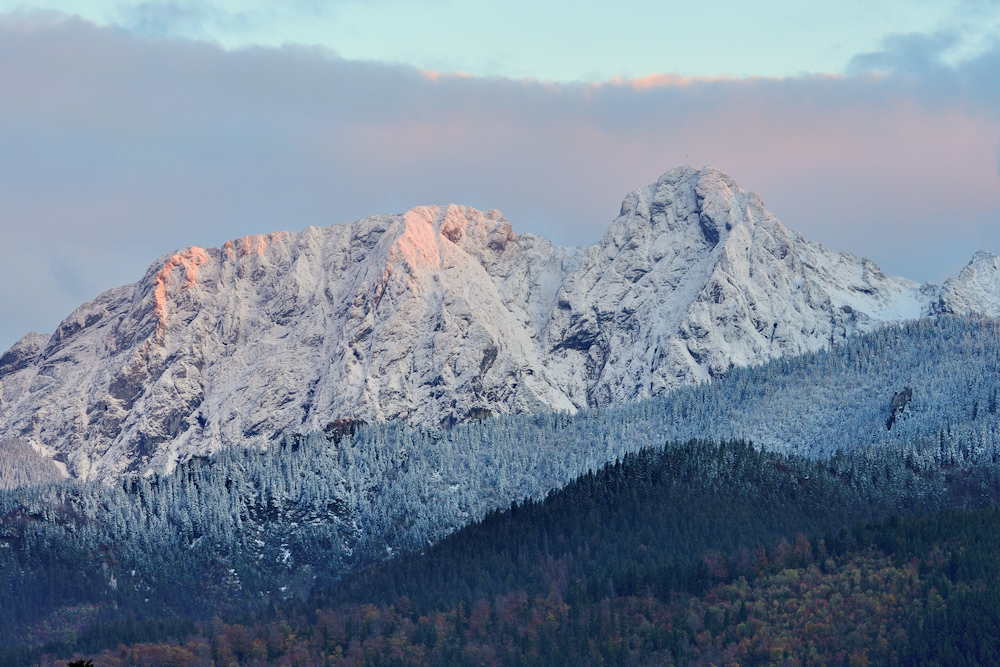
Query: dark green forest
{"points": [[613, 568], [646, 521], [589, 510]]}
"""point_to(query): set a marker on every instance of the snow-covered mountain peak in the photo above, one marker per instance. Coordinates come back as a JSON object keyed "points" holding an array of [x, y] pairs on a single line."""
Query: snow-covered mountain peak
{"points": [[983, 269], [975, 289], [439, 315], [697, 274], [256, 244], [689, 208], [429, 316], [429, 235]]}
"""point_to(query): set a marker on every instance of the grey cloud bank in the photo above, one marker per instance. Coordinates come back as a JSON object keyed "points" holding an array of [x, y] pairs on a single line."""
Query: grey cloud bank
{"points": [[116, 150]]}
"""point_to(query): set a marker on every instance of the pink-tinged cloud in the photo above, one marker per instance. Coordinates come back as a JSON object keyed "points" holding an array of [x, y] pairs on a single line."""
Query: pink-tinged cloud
{"points": [[118, 150], [664, 80]]}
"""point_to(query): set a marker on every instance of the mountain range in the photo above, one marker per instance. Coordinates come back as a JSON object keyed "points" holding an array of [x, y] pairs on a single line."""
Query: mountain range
{"points": [[439, 316]]}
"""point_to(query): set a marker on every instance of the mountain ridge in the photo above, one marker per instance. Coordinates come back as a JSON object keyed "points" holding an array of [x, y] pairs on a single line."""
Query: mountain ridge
{"points": [[441, 315]]}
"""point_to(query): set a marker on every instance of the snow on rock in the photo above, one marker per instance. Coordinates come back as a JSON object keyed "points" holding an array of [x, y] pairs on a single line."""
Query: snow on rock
{"points": [[430, 316], [696, 275], [975, 290], [440, 315]]}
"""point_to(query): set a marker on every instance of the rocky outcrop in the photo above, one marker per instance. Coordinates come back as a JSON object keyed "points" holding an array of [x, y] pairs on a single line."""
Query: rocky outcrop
{"points": [[438, 316], [23, 354], [974, 290], [900, 400]]}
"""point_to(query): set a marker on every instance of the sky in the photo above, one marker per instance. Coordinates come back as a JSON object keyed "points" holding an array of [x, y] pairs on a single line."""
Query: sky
{"points": [[130, 129]]}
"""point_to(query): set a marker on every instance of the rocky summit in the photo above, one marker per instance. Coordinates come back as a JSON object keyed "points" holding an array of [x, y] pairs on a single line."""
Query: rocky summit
{"points": [[438, 316]]}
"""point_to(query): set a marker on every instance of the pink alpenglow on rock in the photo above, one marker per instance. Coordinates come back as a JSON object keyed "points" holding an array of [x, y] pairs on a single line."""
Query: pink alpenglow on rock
{"points": [[442, 315], [189, 261]]}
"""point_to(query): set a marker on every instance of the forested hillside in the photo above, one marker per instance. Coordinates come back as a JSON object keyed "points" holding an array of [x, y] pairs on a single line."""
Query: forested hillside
{"points": [[904, 419], [653, 560], [20, 465]]}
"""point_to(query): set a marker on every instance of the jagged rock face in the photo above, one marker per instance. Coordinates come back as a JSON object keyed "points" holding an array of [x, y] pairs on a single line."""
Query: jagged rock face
{"points": [[974, 290], [436, 316], [695, 276], [426, 316]]}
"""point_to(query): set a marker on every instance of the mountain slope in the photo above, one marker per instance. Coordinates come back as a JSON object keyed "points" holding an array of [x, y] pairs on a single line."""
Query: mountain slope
{"points": [[438, 316], [424, 316], [245, 527], [696, 276]]}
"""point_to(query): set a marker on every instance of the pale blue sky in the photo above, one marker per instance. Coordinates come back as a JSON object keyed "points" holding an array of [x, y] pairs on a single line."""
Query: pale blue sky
{"points": [[561, 40]]}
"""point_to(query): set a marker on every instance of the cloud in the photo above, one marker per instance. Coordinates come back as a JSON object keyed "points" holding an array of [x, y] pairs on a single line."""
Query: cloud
{"points": [[119, 149], [969, 32], [163, 19], [211, 20], [906, 54]]}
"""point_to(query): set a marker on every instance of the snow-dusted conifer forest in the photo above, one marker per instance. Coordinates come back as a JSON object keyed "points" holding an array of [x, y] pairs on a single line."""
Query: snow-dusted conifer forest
{"points": [[262, 525]]}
